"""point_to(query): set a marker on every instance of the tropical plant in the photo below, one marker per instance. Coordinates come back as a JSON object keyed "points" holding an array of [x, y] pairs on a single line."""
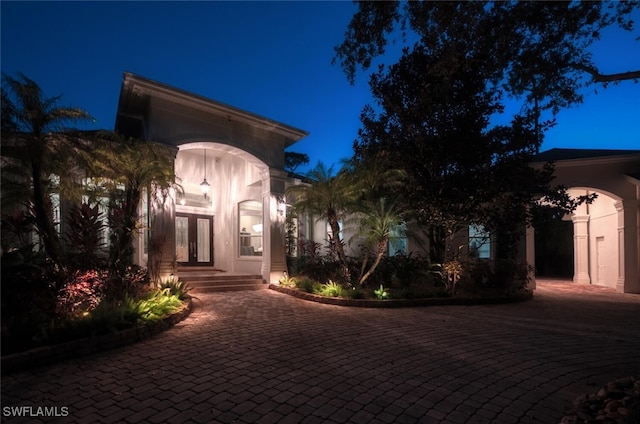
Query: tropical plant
{"points": [[84, 235], [306, 284], [177, 288], [331, 289], [132, 281], [34, 134], [158, 305], [375, 224], [81, 294], [330, 197], [381, 293], [287, 281], [453, 271], [129, 168], [16, 229], [436, 106]]}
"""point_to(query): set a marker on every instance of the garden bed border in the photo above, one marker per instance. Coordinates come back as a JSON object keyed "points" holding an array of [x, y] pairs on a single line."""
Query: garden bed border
{"points": [[48, 354], [401, 303]]}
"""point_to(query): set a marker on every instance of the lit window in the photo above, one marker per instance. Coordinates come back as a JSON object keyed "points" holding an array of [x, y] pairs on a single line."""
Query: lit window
{"points": [[250, 225], [479, 242], [398, 240]]}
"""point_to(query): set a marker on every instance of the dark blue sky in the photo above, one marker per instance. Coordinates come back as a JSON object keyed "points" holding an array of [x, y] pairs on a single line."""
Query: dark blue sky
{"points": [[269, 58]]}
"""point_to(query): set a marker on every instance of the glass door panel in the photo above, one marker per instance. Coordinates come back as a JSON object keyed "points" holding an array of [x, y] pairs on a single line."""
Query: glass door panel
{"points": [[194, 240], [204, 240], [182, 239]]}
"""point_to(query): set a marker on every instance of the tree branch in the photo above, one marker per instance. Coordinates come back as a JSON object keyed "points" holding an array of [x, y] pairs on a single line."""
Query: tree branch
{"points": [[606, 78]]}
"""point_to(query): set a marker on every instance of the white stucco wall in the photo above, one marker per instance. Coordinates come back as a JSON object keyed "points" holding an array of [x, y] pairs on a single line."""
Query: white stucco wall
{"points": [[602, 239], [232, 180]]}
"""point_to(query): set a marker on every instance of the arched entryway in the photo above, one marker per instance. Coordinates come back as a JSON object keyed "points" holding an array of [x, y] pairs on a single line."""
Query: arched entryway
{"points": [[596, 247], [234, 179], [605, 235]]}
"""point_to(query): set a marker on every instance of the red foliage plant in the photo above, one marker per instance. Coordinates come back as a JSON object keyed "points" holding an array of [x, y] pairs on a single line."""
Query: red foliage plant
{"points": [[81, 294]]}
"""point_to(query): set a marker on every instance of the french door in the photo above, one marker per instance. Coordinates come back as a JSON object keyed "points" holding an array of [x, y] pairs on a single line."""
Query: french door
{"points": [[194, 239]]}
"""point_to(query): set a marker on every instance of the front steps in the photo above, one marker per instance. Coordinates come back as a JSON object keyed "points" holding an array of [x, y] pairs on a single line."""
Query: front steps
{"points": [[208, 280]]}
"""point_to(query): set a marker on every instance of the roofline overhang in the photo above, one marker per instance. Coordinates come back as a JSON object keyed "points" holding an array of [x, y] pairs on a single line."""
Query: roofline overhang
{"points": [[592, 160], [133, 84]]}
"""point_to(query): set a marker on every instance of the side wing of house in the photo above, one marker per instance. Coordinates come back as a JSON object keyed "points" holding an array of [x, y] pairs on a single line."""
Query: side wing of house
{"points": [[606, 233]]}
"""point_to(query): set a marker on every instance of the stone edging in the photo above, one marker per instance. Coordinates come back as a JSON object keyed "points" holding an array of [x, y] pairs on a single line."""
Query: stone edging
{"points": [[49, 354], [400, 303]]}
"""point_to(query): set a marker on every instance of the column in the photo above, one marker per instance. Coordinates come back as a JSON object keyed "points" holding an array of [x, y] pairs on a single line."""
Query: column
{"points": [[628, 280], [581, 249], [530, 250], [274, 261]]}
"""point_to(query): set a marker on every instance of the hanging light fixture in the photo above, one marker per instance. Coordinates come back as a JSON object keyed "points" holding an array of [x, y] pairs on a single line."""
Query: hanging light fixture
{"points": [[204, 185]]}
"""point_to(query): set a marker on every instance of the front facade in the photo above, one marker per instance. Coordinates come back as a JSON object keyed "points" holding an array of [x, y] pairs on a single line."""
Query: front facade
{"points": [[237, 225], [229, 212]]}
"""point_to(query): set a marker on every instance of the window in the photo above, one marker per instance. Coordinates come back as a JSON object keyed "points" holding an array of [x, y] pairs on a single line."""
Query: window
{"points": [[330, 237], [250, 225], [55, 201], [397, 240], [479, 242], [97, 195]]}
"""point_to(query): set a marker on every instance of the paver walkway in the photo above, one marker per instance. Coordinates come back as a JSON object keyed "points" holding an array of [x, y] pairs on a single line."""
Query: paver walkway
{"points": [[265, 357]]}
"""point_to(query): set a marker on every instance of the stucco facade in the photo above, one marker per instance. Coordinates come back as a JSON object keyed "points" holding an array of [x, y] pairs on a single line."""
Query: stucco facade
{"points": [[606, 233], [239, 226], [241, 156]]}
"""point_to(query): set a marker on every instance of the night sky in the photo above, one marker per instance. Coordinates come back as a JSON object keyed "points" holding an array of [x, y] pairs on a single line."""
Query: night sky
{"points": [[269, 58]]}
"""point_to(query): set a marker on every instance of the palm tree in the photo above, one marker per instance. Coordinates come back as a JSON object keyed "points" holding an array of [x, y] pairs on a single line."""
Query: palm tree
{"points": [[374, 178], [127, 167], [375, 221], [33, 127], [330, 197]]}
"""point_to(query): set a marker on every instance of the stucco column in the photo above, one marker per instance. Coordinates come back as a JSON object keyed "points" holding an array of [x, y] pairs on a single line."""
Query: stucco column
{"points": [[628, 280], [581, 249], [530, 249], [274, 262]]}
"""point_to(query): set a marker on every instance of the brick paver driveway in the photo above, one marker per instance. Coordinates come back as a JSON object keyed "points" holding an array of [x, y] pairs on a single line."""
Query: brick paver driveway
{"points": [[265, 357]]}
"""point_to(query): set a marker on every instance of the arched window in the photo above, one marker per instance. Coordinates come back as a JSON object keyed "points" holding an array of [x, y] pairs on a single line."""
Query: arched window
{"points": [[250, 226]]}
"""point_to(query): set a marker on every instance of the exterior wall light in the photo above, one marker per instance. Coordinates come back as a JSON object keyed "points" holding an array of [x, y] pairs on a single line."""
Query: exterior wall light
{"points": [[204, 185]]}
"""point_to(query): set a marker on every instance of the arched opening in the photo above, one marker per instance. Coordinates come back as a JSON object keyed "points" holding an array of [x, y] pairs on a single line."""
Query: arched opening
{"points": [[233, 175], [554, 246], [583, 246]]}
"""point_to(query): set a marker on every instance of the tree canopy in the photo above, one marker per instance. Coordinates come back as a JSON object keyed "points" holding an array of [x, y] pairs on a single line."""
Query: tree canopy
{"points": [[34, 129], [293, 160], [436, 107]]}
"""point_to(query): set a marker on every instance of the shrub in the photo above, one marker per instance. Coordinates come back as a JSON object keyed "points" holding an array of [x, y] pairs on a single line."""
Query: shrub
{"points": [[355, 293], [81, 294], [493, 276], [159, 304], [331, 289], [401, 270], [381, 293], [306, 284], [287, 281], [178, 288], [84, 235], [132, 281]]}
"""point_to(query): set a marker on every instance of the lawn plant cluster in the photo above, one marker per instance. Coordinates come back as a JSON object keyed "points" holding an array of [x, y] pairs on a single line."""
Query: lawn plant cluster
{"points": [[42, 306], [44, 303], [406, 277]]}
